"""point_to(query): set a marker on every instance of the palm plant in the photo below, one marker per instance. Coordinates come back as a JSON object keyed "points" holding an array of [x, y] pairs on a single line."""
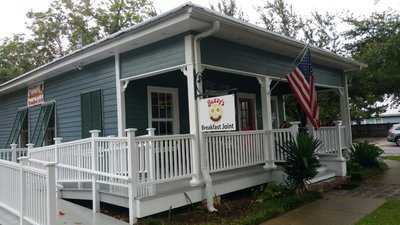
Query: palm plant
{"points": [[301, 160]]}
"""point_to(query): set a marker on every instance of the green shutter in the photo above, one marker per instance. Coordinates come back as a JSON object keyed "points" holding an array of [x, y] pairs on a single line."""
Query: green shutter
{"points": [[42, 124], [91, 112], [16, 128]]}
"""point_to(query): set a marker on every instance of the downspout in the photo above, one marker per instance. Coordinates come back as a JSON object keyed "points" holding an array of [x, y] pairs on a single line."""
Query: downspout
{"points": [[197, 52], [203, 161]]}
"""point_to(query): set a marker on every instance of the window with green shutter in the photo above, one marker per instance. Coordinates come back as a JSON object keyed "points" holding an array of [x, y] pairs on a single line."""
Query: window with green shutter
{"points": [[20, 120], [91, 112]]}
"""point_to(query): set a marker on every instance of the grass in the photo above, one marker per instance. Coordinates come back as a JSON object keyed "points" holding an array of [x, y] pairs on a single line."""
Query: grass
{"points": [[392, 157], [387, 214]]}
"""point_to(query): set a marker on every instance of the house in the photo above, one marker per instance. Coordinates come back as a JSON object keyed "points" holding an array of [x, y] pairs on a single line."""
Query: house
{"points": [[154, 75]]}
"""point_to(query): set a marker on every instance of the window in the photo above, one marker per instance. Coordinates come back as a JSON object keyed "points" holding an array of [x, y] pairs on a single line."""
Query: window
{"points": [[163, 110], [247, 111], [91, 112], [44, 124], [18, 128]]}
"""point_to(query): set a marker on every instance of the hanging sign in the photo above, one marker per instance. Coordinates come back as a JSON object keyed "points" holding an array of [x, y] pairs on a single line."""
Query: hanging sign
{"points": [[217, 113], [35, 95]]}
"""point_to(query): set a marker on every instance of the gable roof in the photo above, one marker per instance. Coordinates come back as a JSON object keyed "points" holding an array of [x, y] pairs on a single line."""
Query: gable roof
{"points": [[185, 18]]}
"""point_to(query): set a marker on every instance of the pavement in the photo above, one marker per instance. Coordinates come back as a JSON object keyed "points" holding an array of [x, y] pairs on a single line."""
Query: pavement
{"points": [[346, 207]]}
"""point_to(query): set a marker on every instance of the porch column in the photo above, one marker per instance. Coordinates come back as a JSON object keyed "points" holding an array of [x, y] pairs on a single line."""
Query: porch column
{"points": [[345, 111], [120, 98], [193, 109], [265, 83]]}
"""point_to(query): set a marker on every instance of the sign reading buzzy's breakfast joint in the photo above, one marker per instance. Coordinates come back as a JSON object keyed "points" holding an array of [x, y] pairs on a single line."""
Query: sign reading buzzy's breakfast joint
{"points": [[217, 113], [35, 95]]}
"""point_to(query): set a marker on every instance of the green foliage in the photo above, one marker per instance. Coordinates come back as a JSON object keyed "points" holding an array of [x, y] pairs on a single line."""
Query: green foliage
{"points": [[301, 162], [374, 40], [65, 26], [274, 192], [365, 154]]}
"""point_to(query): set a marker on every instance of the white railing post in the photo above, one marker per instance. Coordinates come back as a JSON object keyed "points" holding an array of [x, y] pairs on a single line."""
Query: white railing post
{"points": [[269, 150], [95, 187], [14, 152], [22, 180], [294, 129], [133, 159], [151, 133], [57, 141], [51, 194], [30, 147], [339, 139]]}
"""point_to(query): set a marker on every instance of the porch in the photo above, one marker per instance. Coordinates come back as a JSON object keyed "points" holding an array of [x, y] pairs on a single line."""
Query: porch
{"points": [[149, 174]]}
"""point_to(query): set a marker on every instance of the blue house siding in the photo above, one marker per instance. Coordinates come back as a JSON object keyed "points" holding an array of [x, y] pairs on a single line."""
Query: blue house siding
{"points": [[136, 100], [160, 55], [9, 105], [223, 53], [66, 90]]}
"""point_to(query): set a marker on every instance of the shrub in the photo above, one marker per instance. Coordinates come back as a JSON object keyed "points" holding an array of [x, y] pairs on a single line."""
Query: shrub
{"points": [[365, 154], [301, 162]]}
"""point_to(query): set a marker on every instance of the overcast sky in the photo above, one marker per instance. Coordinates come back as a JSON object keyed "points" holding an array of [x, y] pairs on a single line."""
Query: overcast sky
{"points": [[13, 19]]}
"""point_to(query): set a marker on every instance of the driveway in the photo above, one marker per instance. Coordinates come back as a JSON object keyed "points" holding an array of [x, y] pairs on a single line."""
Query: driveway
{"points": [[390, 148]]}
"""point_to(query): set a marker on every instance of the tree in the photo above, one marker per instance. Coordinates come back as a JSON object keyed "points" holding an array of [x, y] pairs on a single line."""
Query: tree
{"points": [[278, 16], [376, 41], [229, 8], [17, 56], [65, 26]]}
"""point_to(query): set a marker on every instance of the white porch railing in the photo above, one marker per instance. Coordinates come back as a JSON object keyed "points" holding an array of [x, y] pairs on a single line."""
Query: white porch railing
{"points": [[333, 140], [29, 193], [231, 150], [279, 137], [13, 153]]}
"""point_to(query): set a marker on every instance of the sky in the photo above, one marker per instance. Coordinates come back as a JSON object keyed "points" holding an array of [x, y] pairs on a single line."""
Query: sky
{"points": [[13, 19]]}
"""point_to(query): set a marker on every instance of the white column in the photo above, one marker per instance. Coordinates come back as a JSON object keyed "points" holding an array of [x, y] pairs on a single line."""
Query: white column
{"points": [[51, 193], [193, 109], [95, 187], [345, 111], [13, 152], [267, 121], [295, 128], [120, 97], [133, 159]]}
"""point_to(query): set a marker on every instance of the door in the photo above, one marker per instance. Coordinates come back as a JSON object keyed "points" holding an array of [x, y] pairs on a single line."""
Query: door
{"points": [[246, 112]]}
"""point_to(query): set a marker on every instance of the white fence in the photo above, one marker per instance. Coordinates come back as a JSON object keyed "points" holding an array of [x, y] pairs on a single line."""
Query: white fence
{"points": [[333, 140], [230, 150], [13, 153], [29, 193], [279, 137]]}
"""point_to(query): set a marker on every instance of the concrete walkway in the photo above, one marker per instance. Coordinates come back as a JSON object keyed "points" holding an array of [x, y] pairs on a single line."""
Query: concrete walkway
{"points": [[346, 207]]}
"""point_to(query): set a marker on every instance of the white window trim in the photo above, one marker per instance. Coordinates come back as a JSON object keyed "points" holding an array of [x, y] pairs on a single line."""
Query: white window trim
{"points": [[251, 96], [175, 101]]}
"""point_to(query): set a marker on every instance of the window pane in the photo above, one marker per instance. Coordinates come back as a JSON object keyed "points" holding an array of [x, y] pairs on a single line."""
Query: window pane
{"points": [[155, 112], [154, 98], [169, 127], [162, 127]]}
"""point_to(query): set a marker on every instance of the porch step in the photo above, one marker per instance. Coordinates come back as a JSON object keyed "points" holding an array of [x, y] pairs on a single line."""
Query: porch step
{"points": [[323, 174]]}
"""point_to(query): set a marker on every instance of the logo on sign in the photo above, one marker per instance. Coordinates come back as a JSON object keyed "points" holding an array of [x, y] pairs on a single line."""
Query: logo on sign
{"points": [[217, 113]]}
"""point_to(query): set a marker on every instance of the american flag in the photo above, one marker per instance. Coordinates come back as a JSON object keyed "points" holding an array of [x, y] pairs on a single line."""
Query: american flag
{"points": [[301, 81]]}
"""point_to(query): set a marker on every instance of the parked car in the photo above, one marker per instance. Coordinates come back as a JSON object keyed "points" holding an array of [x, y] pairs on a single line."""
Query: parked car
{"points": [[394, 134]]}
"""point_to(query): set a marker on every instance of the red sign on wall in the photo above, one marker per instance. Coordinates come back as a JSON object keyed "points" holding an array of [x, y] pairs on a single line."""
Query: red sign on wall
{"points": [[35, 95]]}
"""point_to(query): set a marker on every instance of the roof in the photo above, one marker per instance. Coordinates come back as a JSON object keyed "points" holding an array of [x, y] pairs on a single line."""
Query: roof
{"points": [[187, 17]]}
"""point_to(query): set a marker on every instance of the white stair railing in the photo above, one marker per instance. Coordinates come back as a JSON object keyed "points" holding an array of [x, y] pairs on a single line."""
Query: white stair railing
{"points": [[28, 192], [13, 153]]}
